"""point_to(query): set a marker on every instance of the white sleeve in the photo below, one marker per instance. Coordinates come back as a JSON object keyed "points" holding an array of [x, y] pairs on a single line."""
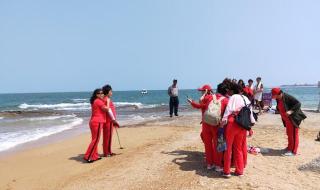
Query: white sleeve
{"points": [[229, 109], [111, 114], [251, 115]]}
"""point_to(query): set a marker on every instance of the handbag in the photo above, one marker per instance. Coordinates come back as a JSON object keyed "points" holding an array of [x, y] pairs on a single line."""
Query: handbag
{"points": [[243, 117]]}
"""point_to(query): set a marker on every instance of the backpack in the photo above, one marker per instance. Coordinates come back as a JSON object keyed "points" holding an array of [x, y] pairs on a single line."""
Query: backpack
{"points": [[243, 117], [212, 115]]}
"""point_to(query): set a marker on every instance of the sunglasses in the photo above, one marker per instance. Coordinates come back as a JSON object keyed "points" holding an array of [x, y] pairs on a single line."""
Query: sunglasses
{"points": [[100, 93]]}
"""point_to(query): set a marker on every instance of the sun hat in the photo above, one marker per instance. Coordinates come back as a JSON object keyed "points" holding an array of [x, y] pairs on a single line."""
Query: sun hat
{"points": [[275, 92], [205, 87]]}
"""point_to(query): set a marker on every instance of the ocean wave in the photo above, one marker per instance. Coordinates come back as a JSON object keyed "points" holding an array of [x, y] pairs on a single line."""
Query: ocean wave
{"points": [[1, 117], [137, 105], [136, 119], [80, 99], [50, 118], [60, 106], [11, 139]]}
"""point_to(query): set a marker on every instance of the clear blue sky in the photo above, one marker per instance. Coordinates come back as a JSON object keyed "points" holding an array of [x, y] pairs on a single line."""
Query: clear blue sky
{"points": [[74, 45]]}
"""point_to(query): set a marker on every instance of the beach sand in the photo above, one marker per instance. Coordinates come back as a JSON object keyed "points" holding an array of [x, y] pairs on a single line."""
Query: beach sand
{"points": [[166, 155]]}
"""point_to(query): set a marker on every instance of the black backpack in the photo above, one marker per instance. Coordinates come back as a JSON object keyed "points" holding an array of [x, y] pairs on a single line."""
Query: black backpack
{"points": [[243, 117]]}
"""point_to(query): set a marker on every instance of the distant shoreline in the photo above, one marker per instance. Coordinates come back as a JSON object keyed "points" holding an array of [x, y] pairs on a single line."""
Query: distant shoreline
{"points": [[300, 85]]}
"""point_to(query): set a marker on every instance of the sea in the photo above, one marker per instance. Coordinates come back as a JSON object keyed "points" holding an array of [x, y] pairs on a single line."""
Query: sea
{"points": [[28, 117]]}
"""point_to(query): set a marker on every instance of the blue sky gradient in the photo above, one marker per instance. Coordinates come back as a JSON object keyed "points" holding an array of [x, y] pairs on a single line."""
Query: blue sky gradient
{"points": [[48, 46]]}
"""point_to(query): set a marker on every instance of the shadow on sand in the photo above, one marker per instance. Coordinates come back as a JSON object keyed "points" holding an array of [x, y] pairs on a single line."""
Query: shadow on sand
{"points": [[192, 161], [78, 158], [272, 152]]}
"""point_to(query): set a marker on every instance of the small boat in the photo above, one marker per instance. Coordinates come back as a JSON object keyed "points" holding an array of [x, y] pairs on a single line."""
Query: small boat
{"points": [[144, 91]]}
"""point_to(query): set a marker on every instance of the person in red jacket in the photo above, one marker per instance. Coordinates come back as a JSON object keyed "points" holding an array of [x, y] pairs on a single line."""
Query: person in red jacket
{"points": [[209, 132], [222, 90], [110, 121], [97, 122], [291, 115]]}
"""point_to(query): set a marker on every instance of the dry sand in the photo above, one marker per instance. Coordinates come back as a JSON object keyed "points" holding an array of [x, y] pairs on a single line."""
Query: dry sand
{"points": [[166, 155]]}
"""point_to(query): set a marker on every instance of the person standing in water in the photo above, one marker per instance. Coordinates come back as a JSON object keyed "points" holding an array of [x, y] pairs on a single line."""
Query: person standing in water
{"points": [[174, 100]]}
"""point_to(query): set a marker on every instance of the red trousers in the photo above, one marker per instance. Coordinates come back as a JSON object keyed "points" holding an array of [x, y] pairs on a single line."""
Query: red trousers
{"points": [[107, 138], [209, 136], [236, 140], [92, 151], [293, 136]]}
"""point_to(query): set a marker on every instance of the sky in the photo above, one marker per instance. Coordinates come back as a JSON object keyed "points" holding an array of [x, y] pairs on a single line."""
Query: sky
{"points": [[75, 45]]}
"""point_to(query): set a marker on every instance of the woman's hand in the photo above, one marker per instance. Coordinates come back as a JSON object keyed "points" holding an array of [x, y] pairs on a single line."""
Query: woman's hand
{"points": [[115, 123], [289, 112], [223, 123]]}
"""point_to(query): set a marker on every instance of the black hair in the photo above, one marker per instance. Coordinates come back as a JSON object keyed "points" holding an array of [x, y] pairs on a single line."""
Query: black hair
{"points": [[94, 95], [250, 80], [241, 83], [227, 82], [106, 89], [222, 89], [236, 89]]}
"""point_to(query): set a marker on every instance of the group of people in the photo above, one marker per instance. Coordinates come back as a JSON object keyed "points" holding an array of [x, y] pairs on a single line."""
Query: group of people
{"points": [[228, 101], [103, 119], [255, 94], [224, 137]]}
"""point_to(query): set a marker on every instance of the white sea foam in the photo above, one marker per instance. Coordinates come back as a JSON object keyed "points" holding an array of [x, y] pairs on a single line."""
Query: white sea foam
{"points": [[60, 106], [49, 118], [80, 99], [12, 139], [135, 119], [138, 105]]}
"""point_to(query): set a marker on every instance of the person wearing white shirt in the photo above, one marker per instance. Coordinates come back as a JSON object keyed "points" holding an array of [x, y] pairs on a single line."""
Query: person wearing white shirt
{"points": [[174, 100], [235, 134], [258, 91]]}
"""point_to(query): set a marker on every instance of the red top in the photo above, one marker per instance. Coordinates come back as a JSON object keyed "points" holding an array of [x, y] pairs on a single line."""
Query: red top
{"points": [[98, 115], [113, 109], [282, 110]]}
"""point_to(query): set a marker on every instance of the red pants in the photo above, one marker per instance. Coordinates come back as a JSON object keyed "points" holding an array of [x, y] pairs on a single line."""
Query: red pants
{"points": [[107, 138], [209, 136], [293, 136], [235, 138], [92, 152]]}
